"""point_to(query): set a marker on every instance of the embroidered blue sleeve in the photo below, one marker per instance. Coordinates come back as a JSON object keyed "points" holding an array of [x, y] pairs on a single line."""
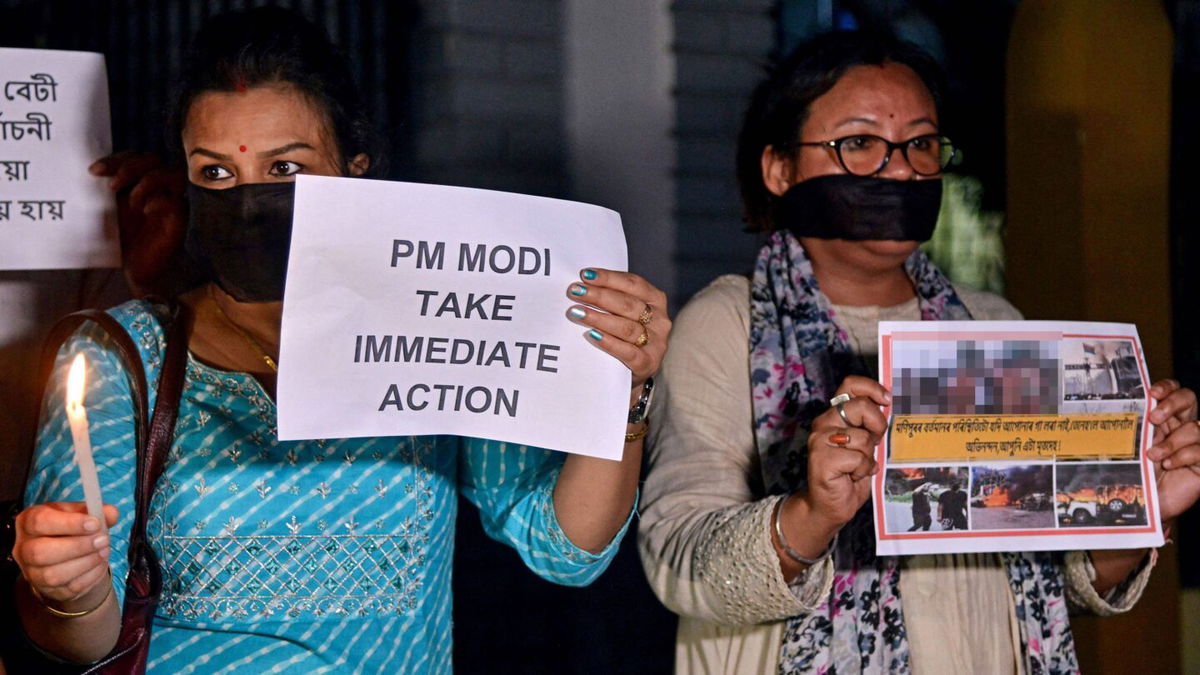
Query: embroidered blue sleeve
{"points": [[54, 476], [513, 486]]}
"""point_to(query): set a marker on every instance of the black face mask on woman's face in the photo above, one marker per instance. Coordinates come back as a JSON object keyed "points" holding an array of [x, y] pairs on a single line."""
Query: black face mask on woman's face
{"points": [[242, 234], [860, 208]]}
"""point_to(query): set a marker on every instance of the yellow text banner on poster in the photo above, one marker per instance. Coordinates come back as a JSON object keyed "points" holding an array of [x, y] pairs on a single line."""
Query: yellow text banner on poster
{"points": [[985, 437]]}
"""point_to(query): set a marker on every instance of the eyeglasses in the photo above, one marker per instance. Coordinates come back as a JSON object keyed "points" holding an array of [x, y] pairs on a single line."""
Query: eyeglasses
{"points": [[867, 155]]}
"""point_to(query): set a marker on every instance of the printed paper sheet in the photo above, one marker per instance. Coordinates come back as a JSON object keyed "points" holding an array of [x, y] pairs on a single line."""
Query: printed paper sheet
{"points": [[426, 309], [1014, 436], [54, 123]]}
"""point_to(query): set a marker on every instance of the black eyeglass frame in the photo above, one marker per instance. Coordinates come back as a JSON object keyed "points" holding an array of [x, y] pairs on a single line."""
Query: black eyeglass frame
{"points": [[902, 146]]}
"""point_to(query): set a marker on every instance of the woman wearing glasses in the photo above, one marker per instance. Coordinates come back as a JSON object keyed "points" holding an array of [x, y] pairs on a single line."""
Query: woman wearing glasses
{"points": [[752, 526]]}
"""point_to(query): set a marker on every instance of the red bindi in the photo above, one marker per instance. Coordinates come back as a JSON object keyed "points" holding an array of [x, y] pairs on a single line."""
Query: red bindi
{"points": [[242, 148]]}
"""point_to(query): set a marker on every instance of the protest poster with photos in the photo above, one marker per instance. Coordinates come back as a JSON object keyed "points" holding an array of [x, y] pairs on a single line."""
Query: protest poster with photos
{"points": [[1014, 436], [54, 122], [415, 309]]}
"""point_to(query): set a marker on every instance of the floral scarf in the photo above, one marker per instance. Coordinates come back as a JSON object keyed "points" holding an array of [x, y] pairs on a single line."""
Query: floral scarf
{"points": [[798, 357]]}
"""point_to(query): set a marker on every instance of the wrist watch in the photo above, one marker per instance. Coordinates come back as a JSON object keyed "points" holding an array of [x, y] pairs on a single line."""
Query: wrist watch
{"points": [[639, 410]]}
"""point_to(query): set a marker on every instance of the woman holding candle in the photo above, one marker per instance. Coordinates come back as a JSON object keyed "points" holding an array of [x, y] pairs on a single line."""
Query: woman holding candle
{"points": [[753, 528], [329, 555]]}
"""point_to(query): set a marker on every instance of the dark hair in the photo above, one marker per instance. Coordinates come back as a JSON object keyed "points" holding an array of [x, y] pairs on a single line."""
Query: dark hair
{"points": [[780, 104], [269, 45]]}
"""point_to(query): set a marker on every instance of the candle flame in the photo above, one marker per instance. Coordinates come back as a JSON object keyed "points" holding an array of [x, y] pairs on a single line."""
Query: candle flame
{"points": [[75, 380]]}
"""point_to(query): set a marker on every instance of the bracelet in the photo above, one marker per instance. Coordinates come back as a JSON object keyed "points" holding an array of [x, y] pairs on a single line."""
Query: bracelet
{"points": [[637, 435], [783, 543], [74, 615]]}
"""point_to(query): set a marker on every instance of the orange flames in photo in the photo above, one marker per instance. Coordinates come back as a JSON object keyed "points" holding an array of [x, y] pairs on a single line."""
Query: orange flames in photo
{"points": [[1130, 494], [998, 496], [1083, 495]]}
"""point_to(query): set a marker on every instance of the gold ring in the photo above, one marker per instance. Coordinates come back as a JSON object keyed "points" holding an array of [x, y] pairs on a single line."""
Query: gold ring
{"points": [[839, 439], [647, 315], [642, 339]]}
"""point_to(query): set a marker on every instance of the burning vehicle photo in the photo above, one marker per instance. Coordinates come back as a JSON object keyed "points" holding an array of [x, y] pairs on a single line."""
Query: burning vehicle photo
{"points": [[1011, 497], [1100, 494]]}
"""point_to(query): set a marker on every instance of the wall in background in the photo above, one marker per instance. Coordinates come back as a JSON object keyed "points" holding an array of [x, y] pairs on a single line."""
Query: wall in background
{"points": [[721, 50], [1089, 96], [620, 113]]}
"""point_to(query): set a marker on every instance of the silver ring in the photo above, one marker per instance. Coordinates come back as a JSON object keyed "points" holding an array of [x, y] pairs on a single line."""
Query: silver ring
{"points": [[840, 402]]}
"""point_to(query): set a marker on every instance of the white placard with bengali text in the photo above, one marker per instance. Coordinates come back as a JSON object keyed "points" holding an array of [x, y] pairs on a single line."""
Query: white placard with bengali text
{"points": [[415, 309], [54, 122]]}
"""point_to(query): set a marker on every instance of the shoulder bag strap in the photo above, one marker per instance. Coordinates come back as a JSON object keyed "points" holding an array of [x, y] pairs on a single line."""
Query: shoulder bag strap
{"points": [[153, 434], [152, 457], [144, 583], [125, 347]]}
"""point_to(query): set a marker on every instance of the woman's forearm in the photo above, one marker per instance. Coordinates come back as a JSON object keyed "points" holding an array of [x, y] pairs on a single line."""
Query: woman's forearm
{"points": [[81, 639], [807, 532], [592, 497], [1113, 567]]}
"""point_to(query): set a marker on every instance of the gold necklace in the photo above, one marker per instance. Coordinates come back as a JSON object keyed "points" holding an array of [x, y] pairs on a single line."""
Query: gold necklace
{"points": [[245, 336]]}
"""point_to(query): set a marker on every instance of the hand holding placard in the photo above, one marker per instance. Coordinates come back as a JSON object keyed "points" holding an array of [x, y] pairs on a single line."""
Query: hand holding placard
{"points": [[1043, 427], [424, 309]]}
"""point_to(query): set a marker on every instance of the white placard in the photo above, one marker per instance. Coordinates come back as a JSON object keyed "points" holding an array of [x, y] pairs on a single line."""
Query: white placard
{"points": [[416, 309], [54, 122], [1014, 436]]}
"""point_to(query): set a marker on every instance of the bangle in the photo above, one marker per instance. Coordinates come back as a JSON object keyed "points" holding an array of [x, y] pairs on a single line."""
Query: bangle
{"points": [[783, 543], [74, 615], [637, 435]]}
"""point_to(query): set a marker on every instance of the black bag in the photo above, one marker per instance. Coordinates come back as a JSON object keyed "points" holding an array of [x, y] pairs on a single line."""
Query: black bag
{"points": [[154, 437]]}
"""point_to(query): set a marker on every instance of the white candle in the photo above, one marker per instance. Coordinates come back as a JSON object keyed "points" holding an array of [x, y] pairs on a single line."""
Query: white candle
{"points": [[77, 417]]}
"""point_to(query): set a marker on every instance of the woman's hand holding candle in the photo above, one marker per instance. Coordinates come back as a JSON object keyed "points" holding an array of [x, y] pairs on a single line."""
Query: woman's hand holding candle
{"points": [[63, 553], [65, 598], [63, 547]]}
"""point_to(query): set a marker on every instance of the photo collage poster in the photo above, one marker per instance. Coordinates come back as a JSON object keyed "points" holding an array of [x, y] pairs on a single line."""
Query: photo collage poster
{"points": [[1014, 436]]}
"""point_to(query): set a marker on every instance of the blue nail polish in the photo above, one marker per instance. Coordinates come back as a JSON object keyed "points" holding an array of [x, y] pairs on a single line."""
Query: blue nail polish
{"points": [[589, 275], [577, 313], [578, 290], [595, 335]]}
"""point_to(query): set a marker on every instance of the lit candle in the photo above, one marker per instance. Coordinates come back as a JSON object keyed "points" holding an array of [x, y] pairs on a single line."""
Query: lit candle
{"points": [[77, 417]]}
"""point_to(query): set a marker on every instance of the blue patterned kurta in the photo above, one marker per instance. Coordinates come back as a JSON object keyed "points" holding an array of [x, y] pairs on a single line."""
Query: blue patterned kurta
{"points": [[305, 557]]}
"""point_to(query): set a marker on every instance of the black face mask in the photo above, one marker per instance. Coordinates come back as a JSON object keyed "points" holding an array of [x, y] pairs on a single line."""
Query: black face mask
{"points": [[843, 206], [241, 234]]}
